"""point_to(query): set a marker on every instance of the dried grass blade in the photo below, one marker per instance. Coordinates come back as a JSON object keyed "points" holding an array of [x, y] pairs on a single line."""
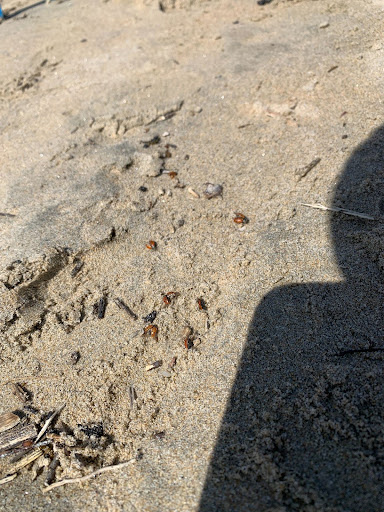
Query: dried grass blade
{"points": [[30, 457], [88, 477], [339, 210], [8, 478], [48, 422]]}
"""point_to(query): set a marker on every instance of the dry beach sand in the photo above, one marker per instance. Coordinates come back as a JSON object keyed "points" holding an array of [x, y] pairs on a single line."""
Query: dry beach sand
{"points": [[277, 404]]}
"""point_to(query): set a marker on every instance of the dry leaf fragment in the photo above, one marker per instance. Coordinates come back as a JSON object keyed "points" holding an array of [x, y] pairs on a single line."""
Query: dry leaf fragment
{"points": [[17, 435], [30, 457], [8, 420]]}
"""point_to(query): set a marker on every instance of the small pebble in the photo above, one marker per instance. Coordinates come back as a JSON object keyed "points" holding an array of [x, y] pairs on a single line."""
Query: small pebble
{"points": [[213, 190], [165, 134], [325, 24], [173, 361], [150, 318], [101, 307], [75, 356], [165, 373], [152, 366]]}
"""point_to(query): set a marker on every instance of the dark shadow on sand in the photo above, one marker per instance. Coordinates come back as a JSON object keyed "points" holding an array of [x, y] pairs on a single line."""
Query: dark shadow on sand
{"points": [[304, 426], [24, 9]]}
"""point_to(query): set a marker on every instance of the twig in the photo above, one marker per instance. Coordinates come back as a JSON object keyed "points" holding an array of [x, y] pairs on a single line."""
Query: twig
{"points": [[8, 478], [339, 210], [48, 422], [88, 477], [122, 305], [302, 173], [132, 395]]}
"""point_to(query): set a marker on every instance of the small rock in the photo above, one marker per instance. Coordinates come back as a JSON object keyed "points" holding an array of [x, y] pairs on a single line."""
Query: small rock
{"points": [[75, 356], [325, 24], [150, 318], [152, 366], [165, 373], [213, 190], [166, 134], [111, 128], [196, 110], [146, 165]]}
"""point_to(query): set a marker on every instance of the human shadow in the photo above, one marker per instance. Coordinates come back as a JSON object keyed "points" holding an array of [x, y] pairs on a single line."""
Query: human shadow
{"points": [[304, 425]]}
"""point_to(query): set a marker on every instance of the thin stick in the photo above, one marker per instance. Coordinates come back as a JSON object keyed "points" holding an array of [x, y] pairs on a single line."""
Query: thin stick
{"points": [[122, 305], [8, 478], [87, 477], [339, 210], [48, 422]]}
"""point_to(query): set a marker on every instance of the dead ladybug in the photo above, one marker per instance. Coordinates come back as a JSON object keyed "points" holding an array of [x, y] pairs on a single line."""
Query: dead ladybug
{"points": [[152, 330], [240, 219], [188, 343], [201, 304], [167, 298], [151, 245]]}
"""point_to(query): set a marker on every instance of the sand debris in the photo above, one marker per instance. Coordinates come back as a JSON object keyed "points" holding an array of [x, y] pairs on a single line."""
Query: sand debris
{"points": [[122, 305], [8, 420], [154, 365], [8, 478], [88, 477], [339, 210], [29, 457], [193, 192], [16, 435], [132, 395], [76, 269], [212, 190], [48, 422]]}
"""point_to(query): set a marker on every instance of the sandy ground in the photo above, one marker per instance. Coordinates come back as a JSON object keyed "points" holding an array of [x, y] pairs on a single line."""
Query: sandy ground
{"points": [[277, 404]]}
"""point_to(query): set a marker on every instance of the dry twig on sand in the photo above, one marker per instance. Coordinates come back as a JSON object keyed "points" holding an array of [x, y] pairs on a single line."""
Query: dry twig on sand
{"points": [[339, 210], [48, 422], [88, 477]]}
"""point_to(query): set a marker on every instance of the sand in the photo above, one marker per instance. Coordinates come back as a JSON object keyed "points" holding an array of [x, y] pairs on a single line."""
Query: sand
{"points": [[276, 406]]}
